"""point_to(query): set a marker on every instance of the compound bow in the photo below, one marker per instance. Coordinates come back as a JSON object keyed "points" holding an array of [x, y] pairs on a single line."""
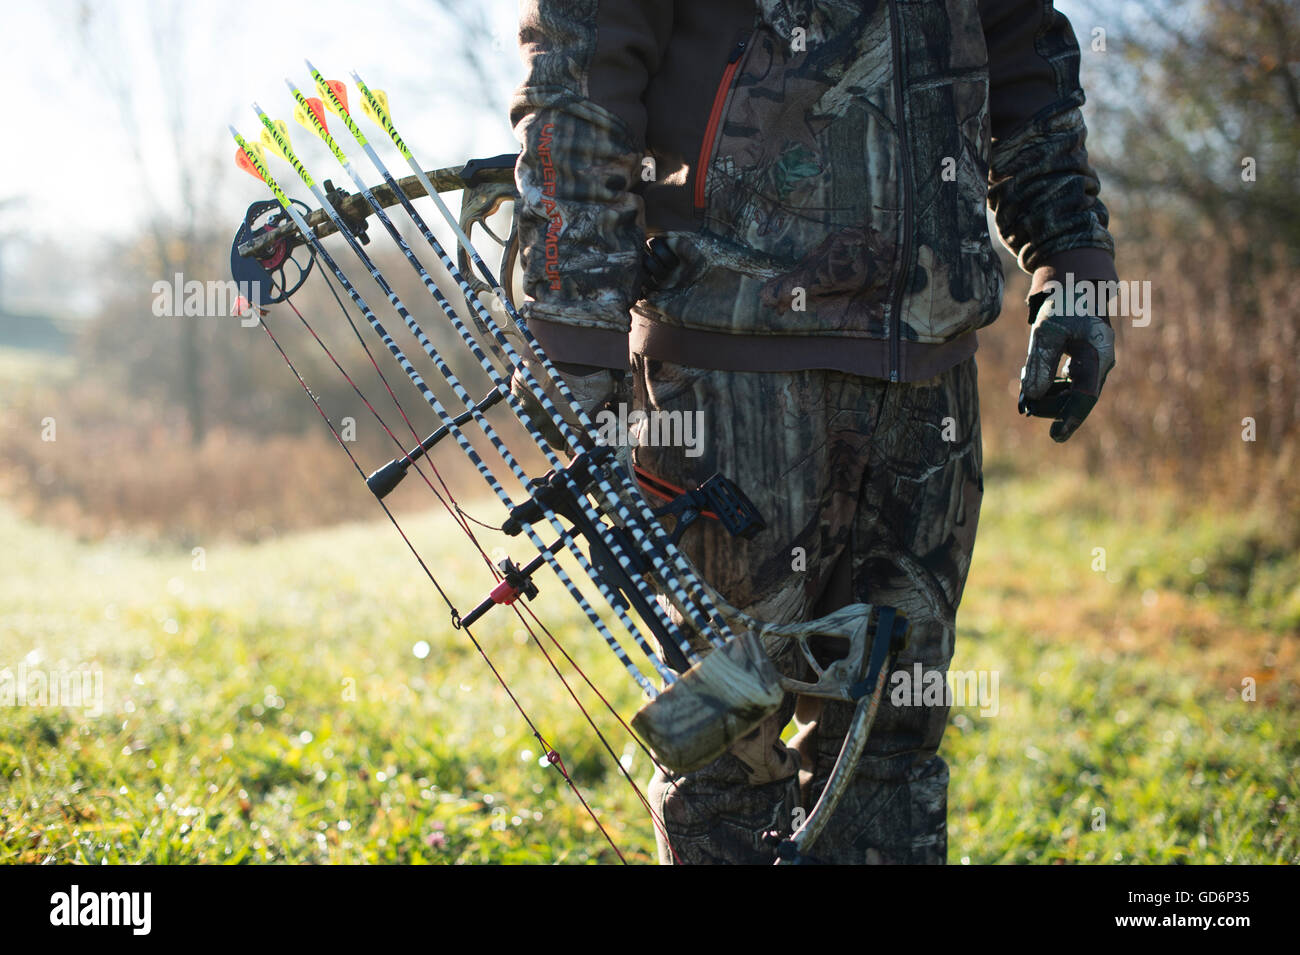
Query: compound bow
{"points": [[714, 664]]}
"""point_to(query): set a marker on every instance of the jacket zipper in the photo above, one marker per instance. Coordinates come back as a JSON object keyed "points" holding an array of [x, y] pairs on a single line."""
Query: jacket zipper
{"points": [[715, 119], [905, 174]]}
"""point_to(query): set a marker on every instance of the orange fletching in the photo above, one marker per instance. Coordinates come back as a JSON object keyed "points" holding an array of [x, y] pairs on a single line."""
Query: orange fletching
{"points": [[317, 111], [246, 164], [340, 90]]}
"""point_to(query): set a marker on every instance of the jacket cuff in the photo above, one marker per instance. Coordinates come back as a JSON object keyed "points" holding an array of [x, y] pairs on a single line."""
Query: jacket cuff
{"points": [[1071, 269], [1087, 265], [582, 346]]}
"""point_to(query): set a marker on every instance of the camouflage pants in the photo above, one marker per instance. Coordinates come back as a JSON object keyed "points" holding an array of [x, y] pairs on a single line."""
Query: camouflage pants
{"points": [[871, 491]]}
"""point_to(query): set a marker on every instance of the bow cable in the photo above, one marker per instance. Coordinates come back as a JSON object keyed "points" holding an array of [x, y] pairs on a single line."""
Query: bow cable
{"points": [[552, 755], [461, 439]]}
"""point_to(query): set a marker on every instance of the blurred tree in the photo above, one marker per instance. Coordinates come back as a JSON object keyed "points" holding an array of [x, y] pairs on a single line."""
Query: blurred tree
{"points": [[173, 244], [5, 235], [215, 370], [1194, 127], [1198, 115]]}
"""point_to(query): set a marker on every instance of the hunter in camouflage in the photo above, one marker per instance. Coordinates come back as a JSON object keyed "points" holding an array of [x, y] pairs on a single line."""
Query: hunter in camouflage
{"points": [[813, 176]]}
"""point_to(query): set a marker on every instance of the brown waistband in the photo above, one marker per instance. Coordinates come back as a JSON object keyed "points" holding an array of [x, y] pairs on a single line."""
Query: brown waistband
{"points": [[721, 351], [866, 357]]}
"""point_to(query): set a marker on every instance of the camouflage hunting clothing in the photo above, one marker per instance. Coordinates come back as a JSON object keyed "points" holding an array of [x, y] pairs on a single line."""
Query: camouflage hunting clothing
{"points": [[818, 169]]}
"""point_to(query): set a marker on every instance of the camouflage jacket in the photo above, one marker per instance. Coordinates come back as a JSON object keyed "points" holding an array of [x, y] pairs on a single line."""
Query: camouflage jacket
{"points": [[818, 169]]}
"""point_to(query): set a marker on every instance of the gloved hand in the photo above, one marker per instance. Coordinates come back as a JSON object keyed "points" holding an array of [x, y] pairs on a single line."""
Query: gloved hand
{"points": [[593, 388], [1089, 341]]}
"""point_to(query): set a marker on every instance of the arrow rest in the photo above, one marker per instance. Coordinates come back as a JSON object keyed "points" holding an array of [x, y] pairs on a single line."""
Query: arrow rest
{"points": [[356, 224]]}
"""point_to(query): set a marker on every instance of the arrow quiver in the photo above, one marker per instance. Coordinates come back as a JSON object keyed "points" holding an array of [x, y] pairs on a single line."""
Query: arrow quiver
{"points": [[717, 681]]}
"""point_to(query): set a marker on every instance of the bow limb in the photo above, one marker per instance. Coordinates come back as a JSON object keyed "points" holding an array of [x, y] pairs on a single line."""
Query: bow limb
{"points": [[883, 648], [859, 675], [736, 687]]}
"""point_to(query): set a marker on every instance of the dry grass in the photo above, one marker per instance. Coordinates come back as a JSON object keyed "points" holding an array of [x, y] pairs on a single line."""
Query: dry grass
{"points": [[121, 467], [1217, 351]]}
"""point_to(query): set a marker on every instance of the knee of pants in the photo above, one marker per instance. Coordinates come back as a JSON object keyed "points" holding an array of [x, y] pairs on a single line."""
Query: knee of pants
{"points": [[902, 735]]}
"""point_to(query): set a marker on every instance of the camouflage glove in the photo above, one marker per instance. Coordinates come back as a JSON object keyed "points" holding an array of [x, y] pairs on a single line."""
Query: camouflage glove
{"points": [[593, 388], [1089, 341]]}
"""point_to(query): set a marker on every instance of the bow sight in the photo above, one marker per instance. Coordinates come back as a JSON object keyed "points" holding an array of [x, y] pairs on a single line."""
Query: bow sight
{"points": [[714, 661]]}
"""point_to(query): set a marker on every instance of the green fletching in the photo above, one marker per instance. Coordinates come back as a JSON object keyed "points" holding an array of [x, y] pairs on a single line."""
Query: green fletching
{"points": [[376, 107]]}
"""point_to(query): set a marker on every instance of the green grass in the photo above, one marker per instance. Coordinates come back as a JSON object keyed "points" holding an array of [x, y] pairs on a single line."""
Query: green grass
{"points": [[1123, 734], [270, 707]]}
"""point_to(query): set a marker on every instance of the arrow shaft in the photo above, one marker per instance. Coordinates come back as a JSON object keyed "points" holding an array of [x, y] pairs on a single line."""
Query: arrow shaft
{"points": [[657, 541], [450, 423], [658, 618]]}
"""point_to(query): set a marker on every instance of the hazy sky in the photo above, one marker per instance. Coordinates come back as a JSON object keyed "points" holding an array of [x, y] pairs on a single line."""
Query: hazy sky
{"points": [[71, 160], [214, 59]]}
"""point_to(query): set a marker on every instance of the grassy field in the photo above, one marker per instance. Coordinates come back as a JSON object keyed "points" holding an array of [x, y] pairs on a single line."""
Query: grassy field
{"points": [[273, 702]]}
